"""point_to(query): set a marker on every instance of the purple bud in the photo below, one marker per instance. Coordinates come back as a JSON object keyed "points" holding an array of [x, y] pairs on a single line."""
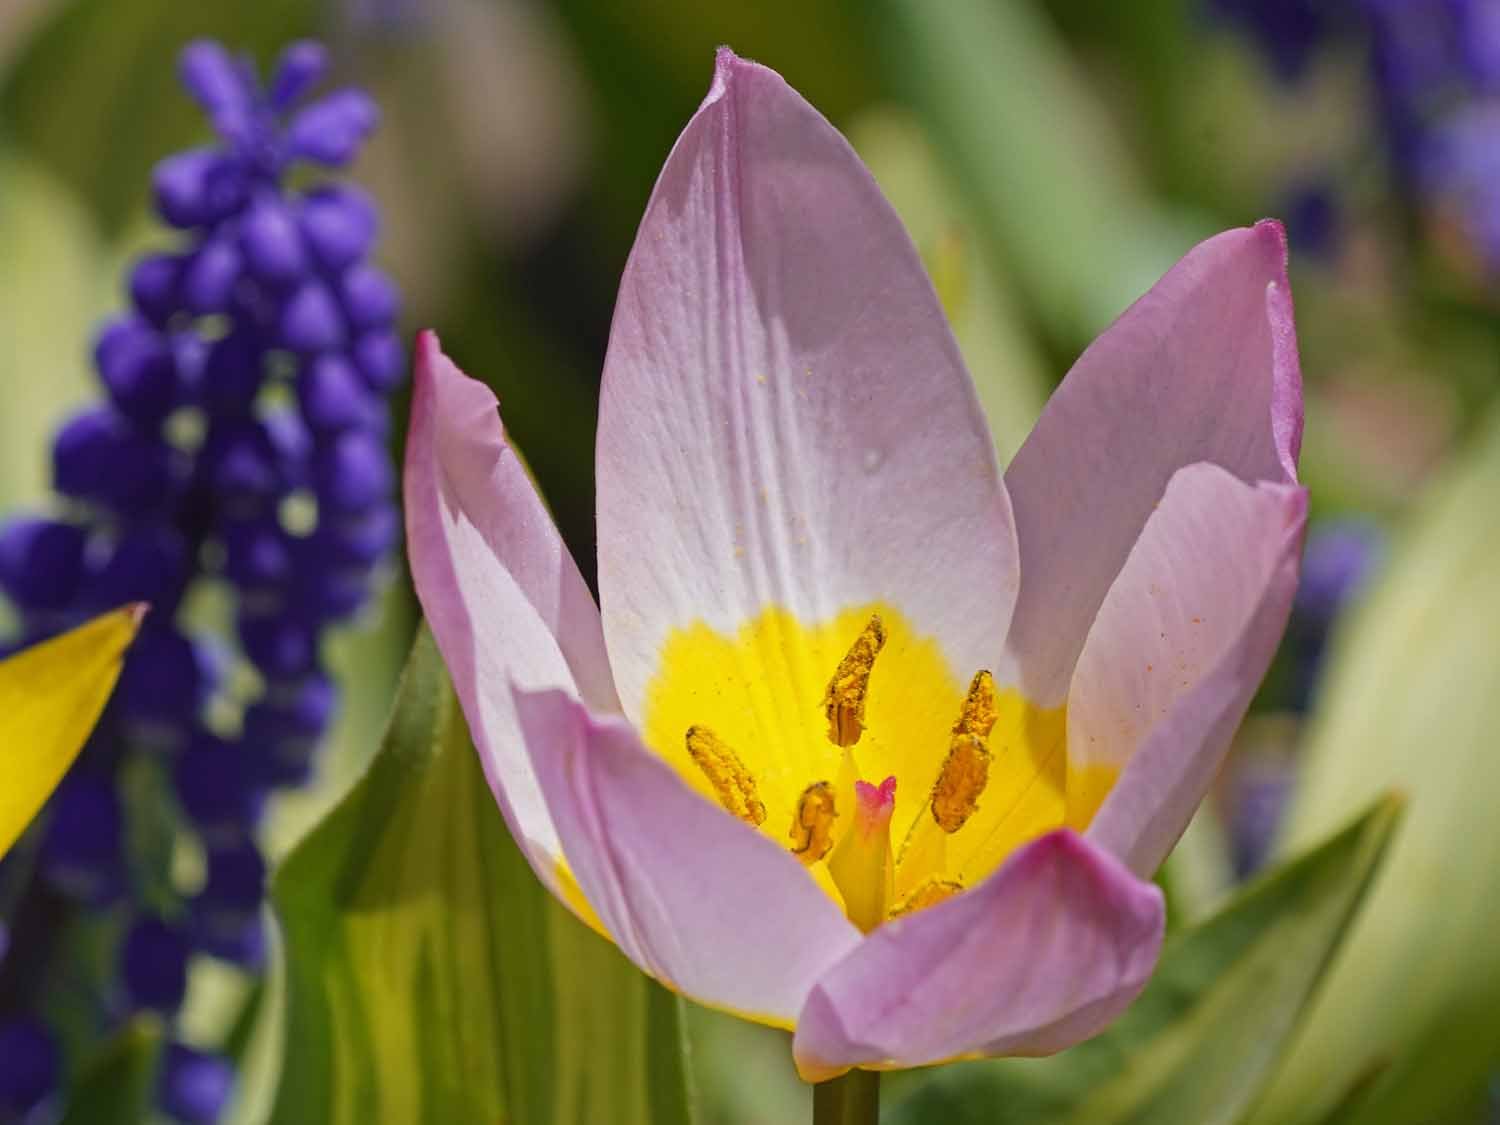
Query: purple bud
{"points": [[193, 1087], [81, 851], [271, 242], [331, 129], [382, 360], [340, 224], [300, 68], [362, 540], [163, 681], [136, 367], [286, 727], [212, 76], [233, 371], [210, 277], [97, 456], [153, 965], [352, 474], [256, 553], [153, 287], [311, 321], [215, 782], [40, 562], [198, 187], [282, 645], [240, 461], [236, 877], [293, 444], [1340, 557], [30, 1066], [149, 563], [370, 298], [332, 394]]}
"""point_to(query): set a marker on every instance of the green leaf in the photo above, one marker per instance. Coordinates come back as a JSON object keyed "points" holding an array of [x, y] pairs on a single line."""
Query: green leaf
{"points": [[54, 273], [427, 976], [1410, 701], [1053, 191], [118, 1086], [1201, 1042], [1006, 363]]}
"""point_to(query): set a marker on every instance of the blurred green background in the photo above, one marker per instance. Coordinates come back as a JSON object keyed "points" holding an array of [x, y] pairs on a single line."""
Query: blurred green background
{"points": [[1051, 160]]}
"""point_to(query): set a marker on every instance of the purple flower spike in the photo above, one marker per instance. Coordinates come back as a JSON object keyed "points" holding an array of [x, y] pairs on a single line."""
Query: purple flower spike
{"points": [[238, 439]]}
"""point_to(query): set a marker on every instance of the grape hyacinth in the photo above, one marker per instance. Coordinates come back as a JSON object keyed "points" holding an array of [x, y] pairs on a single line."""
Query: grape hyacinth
{"points": [[1435, 71], [239, 448]]}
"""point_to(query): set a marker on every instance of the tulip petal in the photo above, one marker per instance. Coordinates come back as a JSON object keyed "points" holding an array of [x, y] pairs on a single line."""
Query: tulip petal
{"points": [[1202, 368], [503, 597], [785, 419], [1179, 647], [1042, 954], [697, 899], [50, 697]]}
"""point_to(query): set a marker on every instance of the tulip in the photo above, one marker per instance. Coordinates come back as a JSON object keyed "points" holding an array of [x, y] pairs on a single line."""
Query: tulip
{"points": [[50, 697], [868, 740]]}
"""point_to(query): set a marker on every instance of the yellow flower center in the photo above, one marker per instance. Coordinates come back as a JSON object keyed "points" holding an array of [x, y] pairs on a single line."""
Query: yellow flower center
{"points": [[782, 722]]}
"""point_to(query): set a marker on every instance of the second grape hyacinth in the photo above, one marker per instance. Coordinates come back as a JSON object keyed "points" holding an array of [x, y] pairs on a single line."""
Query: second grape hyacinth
{"points": [[239, 459]]}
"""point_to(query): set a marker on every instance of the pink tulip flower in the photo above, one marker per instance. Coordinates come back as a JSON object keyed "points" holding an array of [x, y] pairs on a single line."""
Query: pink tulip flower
{"points": [[868, 740]]}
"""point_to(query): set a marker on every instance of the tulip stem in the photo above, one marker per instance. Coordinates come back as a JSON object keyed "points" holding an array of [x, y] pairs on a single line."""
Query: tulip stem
{"points": [[853, 1099]]}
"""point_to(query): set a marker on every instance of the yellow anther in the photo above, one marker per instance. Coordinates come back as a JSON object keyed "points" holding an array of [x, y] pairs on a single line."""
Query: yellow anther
{"points": [[928, 894], [812, 823], [844, 701], [965, 773], [732, 782], [981, 707]]}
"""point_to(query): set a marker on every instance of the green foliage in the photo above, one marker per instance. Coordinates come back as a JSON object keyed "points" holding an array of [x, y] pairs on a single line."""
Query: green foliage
{"points": [[1206, 1035], [429, 977], [125, 56], [1054, 192], [1410, 700], [1009, 372], [52, 269], [118, 1085]]}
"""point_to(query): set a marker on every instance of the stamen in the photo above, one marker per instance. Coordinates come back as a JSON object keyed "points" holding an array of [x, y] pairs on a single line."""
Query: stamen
{"points": [[812, 823], [966, 771], [732, 782], [844, 701], [928, 894], [981, 707]]}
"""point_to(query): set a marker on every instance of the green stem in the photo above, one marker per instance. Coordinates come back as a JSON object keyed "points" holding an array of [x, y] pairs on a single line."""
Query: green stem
{"points": [[853, 1099]]}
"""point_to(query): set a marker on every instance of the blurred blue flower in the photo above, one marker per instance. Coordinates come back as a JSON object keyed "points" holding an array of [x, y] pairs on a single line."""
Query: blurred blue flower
{"points": [[193, 1086], [1339, 559], [239, 440]]}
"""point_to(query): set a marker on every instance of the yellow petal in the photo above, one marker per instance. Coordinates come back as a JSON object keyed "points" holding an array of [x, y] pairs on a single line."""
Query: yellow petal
{"points": [[50, 698]]}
